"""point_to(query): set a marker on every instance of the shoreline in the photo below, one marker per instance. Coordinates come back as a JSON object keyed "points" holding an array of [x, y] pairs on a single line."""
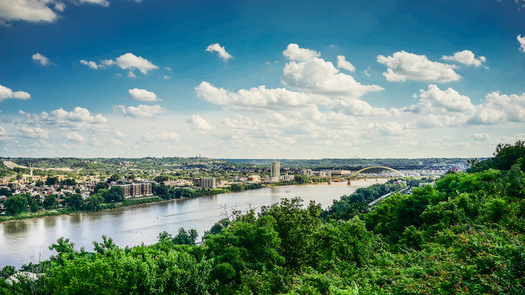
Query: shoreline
{"points": [[119, 205]]}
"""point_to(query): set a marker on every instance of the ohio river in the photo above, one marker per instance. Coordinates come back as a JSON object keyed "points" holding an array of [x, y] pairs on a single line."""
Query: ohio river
{"points": [[28, 240]]}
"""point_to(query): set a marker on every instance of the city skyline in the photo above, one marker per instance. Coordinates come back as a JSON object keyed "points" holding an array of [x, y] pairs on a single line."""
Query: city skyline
{"points": [[287, 79]]}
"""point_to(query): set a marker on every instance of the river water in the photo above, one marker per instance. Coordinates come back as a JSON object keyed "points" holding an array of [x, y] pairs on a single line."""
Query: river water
{"points": [[28, 240]]}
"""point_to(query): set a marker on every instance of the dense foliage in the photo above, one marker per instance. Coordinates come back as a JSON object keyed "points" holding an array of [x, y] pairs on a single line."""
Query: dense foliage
{"points": [[463, 235]]}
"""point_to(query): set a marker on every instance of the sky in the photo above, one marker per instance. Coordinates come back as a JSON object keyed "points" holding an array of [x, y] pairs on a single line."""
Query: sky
{"points": [[261, 79]]}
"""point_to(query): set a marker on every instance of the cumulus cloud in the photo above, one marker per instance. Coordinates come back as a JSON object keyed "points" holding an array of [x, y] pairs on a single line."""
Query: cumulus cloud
{"points": [[199, 124], [321, 77], [403, 66], [220, 51], [79, 118], [500, 108], [163, 136], [342, 63], [293, 52], [31, 132], [440, 101], [466, 57], [141, 110], [27, 10], [6, 93], [73, 136], [521, 40], [39, 58], [127, 61], [482, 137], [90, 64], [259, 97], [357, 107], [143, 95], [37, 10]]}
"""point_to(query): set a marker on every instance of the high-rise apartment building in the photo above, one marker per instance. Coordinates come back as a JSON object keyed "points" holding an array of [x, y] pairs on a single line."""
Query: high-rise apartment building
{"points": [[276, 170]]}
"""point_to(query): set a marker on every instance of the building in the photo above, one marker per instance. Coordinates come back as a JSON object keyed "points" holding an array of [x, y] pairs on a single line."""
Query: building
{"points": [[254, 178], [276, 170], [288, 177], [205, 182], [137, 189]]}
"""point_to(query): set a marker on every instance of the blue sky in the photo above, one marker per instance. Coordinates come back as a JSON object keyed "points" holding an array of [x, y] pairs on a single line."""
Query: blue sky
{"points": [[261, 79]]}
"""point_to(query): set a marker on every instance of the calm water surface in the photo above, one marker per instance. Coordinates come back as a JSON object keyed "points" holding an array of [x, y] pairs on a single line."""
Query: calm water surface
{"points": [[28, 240]]}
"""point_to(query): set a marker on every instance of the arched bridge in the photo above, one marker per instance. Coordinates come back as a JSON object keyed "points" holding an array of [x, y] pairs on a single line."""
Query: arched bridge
{"points": [[372, 167]]}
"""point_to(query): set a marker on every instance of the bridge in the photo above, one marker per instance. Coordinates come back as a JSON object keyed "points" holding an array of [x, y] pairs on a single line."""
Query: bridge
{"points": [[372, 167]]}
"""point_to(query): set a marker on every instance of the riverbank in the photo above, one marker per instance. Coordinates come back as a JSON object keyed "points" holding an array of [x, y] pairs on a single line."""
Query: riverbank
{"points": [[66, 211], [167, 194]]}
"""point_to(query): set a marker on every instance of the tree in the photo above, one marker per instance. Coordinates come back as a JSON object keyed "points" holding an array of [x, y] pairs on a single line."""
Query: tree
{"points": [[94, 201], [185, 237], [99, 186], [50, 201], [117, 193], [15, 204], [4, 191], [51, 180], [75, 201]]}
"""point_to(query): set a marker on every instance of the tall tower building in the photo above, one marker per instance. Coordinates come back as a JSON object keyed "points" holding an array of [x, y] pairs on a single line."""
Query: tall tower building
{"points": [[276, 170]]}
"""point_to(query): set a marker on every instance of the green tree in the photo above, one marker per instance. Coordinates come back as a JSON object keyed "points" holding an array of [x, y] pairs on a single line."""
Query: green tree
{"points": [[4, 191], [15, 204], [51, 180], [185, 237], [50, 201], [99, 186], [94, 202], [75, 201]]}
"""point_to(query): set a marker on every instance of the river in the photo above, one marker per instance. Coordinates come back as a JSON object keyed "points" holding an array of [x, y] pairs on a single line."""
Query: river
{"points": [[25, 241]]}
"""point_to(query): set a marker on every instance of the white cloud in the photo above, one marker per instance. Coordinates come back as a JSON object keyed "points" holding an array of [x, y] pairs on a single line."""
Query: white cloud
{"points": [[31, 132], [293, 52], [39, 58], [163, 136], [59, 6], [6, 93], [436, 100], [482, 137], [403, 66], [99, 2], [27, 10], [259, 97], [437, 121], [143, 95], [129, 61], [357, 107], [166, 77], [500, 108], [36, 10], [342, 63], [141, 110], [466, 57], [73, 136], [321, 77], [78, 118], [521, 40], [90, 64], [220, 51], [199, 124]]}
